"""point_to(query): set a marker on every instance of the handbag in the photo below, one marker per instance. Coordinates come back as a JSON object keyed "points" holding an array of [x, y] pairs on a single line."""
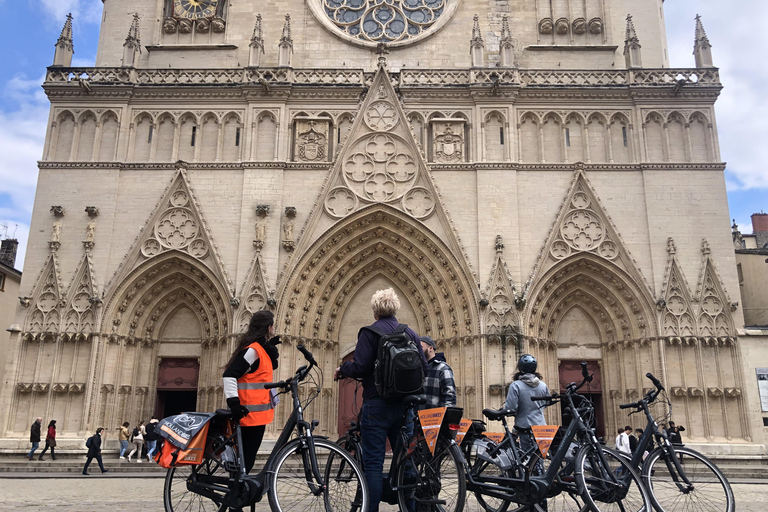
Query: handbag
{"points": [[51, 442]]}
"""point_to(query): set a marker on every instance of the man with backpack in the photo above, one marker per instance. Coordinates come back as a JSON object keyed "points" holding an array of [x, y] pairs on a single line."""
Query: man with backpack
{"points": [[391, 363], [94, 451], [151, 438]]}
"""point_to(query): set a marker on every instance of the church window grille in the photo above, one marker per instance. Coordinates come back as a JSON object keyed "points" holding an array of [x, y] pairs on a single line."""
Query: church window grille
{"points": [[568, 137], [624, 135], [194, 135], [501, 135], [237, 137], [740, 272], [385, 22], [2, 282], [150, 133]]}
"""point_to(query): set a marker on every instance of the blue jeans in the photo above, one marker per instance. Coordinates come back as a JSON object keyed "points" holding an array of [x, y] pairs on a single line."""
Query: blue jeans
{"points": [[123, 447], [379, 421], [151, 445], [31, 453]]}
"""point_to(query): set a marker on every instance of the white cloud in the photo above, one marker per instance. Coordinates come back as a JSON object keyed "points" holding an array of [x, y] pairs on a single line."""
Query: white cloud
{"points": [[738, 50], [85, 11]]}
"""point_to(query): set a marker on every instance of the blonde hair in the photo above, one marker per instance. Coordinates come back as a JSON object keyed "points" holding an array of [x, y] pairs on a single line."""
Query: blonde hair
{"points": [[385, 303]]}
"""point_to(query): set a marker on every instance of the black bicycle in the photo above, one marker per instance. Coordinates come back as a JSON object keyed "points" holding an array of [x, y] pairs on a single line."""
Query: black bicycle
{"points": [[418, 480], [581, 474], [303, 474], [698, 484]]}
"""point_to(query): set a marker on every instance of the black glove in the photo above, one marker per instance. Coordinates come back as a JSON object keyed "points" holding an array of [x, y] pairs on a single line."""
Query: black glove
{"points": [[270, 347], [239, 411]]}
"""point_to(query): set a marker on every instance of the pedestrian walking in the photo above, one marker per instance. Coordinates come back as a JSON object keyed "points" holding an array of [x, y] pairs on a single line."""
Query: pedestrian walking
{"points": [[94, 451], [50, 441], [622, 441], [123, 437], [151, 438], [632, 439], [34, 437], [137, 438]]}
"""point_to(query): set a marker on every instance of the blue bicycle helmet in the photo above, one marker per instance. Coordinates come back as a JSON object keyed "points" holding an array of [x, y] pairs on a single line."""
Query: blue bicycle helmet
{"points": [[527, 363]]}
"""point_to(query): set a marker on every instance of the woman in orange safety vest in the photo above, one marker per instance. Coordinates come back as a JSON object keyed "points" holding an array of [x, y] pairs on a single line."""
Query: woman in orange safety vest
{"points": [[251, 366]]}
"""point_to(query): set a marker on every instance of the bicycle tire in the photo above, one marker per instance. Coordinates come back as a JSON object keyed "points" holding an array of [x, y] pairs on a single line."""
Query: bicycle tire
{"points": [[599, 490], [711, 486], [432, 479], [349, 446], [488, 468], [176, 496], [290, 489]]}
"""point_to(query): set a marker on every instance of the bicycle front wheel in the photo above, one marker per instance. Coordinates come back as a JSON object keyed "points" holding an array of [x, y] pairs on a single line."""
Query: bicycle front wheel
{"points": [[176, 496], [429, 483], [294, 488], [709, 489], [610, 483], [481, 465]]}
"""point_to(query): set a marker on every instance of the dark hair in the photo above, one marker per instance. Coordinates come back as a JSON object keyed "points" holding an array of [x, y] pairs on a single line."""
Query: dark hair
{"points": [[99, 430], [141, 422], [628, 428], [640, 430], [621, 431], [126, 424], [52, 424], [258, 330], [519, 374], [671, 423]]}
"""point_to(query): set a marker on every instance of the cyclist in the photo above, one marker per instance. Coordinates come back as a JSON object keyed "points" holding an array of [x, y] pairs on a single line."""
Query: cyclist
{"points": [[439, 387], [249, 367], [379, 420]]}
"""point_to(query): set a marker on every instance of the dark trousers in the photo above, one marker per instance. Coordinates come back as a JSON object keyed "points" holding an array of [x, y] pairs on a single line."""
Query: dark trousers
{"points": [[96, 456], [53, 451], [252, 437], [379, 421]]}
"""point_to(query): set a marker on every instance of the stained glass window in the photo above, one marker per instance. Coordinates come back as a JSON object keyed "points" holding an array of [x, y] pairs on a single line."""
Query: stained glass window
{"points": [[385, 21]]}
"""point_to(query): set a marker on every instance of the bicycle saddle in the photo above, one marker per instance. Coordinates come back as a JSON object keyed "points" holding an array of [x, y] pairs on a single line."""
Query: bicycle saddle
{"points": [[224, 413], [493, 414], [414, 400]]}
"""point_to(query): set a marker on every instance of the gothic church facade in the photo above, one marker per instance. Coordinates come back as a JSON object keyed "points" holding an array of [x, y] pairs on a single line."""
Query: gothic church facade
{"points": [[530, 176]]}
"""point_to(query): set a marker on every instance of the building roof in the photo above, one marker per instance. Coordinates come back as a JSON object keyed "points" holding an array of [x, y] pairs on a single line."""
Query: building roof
{"points": [[9, 269]]}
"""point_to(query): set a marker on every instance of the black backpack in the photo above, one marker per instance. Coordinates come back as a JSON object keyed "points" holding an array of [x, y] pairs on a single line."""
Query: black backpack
{"points": [[136, 432], [88, 442], [151, 436], [398, 371]]}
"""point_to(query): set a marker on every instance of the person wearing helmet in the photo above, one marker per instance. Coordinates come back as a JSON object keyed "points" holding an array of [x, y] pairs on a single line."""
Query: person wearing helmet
{"points": [[527, 383]]}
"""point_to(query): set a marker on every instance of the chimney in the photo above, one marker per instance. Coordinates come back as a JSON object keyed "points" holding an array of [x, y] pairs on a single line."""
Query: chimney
{"points": [[8, 249], [759, 228]]}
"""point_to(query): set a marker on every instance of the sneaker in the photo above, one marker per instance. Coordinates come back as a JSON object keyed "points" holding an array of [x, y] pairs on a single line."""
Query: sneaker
{"points": [[104, 471], [128, 457], [139, 460], [86, 474]]}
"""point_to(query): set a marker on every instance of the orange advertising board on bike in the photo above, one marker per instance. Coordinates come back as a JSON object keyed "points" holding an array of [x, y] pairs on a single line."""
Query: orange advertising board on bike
{"points": [[496, 437], [431, 420], [544, 435], [463, 428]]}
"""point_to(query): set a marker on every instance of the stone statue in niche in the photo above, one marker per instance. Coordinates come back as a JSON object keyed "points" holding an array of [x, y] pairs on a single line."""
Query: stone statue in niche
{"points": [[90, 231], [56, 232], [290, 216], [261, 226]]}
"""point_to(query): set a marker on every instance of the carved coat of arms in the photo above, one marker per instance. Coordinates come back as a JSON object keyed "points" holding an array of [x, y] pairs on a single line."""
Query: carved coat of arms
{"points": [[449, 147], [312, 144]]}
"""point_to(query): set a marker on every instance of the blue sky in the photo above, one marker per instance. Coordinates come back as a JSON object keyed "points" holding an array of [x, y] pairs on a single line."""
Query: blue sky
{"points": [[31, 28]]}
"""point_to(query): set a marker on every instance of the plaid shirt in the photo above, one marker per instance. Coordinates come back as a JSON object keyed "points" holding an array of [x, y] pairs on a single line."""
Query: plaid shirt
{"points": [[439, 388]]}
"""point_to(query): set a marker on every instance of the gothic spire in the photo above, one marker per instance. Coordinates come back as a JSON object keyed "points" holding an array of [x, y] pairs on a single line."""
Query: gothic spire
{"points": [[506, 45], [476, 44], [285, 48], [702, 49], [65, 47], [132, 45], [257, 44], [632, 46]]}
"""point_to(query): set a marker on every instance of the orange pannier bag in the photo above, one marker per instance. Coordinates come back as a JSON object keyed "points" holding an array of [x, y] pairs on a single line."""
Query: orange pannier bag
{"points": [[171, 456]]}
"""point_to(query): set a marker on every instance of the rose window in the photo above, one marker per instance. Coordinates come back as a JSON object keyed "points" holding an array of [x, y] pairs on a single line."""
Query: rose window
{"points": [[393, 22]]}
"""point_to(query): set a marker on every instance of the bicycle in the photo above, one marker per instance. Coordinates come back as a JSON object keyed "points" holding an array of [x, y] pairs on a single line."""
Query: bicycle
{"points": [[302, 474], [597, 478], [418, 480], [671, 484]]}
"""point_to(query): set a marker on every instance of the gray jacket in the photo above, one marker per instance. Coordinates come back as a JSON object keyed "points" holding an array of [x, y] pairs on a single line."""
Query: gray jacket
{"points": [[519, 402]]}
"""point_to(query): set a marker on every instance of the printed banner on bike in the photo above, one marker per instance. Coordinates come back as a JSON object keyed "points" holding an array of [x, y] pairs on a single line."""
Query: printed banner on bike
{"points": [[431, 420], [496, 437], [463, 428], [180, 429], [544, 435]]}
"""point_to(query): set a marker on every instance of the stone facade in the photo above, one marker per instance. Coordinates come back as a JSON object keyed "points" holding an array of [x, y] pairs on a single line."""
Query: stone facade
{"points": [[513, 169]]}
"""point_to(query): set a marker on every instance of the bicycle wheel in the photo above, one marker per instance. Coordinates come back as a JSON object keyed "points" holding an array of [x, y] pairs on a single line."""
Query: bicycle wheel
{"points": [[293, 488], [434, 483], [176, 496], [710, 489], [480, 465], [615, 486], [337, 468], [349, 445]]}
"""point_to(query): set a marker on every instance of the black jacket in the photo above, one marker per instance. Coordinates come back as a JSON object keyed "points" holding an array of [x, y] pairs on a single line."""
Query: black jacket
{"points": [[95, 448], [34, 433]]}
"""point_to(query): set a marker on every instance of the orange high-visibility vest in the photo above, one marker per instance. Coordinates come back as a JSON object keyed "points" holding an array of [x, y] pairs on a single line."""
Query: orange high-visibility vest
{"points": [[250, 390]]}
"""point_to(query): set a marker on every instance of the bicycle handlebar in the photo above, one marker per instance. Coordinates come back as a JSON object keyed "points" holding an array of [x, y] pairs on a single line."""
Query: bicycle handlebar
{"points": [[541, 398], [649, 397], [655, 381], [300, 373], [307, 354]]}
